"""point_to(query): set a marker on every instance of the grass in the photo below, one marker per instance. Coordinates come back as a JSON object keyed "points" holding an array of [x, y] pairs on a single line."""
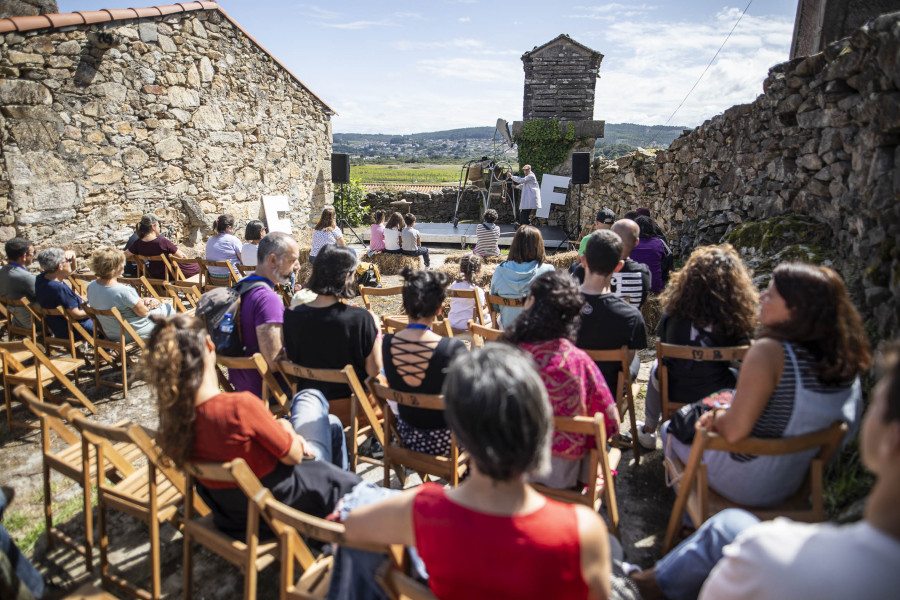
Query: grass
{"points": [[26, 529], [846, 480], [406, 173]]}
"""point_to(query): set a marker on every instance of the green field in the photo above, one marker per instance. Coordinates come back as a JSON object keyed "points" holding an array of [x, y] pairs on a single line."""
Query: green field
{"points": [[423, 174]]}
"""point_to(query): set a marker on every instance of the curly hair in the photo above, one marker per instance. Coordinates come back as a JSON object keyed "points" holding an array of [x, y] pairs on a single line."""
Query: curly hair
{"points": [[714, 290], [823, 320], [556, 312], [173, 365], [423, 292]]}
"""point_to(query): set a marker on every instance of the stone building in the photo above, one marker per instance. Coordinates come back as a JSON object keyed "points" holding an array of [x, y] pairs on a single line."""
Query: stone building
{"points": [[172, 110]]}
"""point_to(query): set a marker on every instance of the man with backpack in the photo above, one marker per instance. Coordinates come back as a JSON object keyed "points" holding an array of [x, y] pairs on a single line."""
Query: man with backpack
{"points": [[261, 311]]}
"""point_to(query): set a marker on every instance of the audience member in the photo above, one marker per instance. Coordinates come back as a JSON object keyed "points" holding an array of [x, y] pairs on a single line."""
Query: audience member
{"points": [[326, 232], [19, 579], [463, 309], [494, 536], [604, 220], [608, 322], [376, 233], [782, 559], [51, 291], [487, 235], [650, 251], [801, 375], [253, 233], [416, 360], [262, 310], [546, 329], [328, 334], [632, 282], [513, 276], [198, 422], [412, 241], [392, 236], [151, 243], [710, 302], [16, 281], [106, 292], [223, 245]]}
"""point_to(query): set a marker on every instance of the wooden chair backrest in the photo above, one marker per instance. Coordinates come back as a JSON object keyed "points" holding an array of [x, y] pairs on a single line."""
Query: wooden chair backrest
{"points": [[53, 417], [367, 292], [270, 385], [481, 333], [478, 309], [623, 391], [404, 587], [413, 399], [494, 301], [179, 274], [219, 280], [189, 289], [244, 270], [124, 328], [26, 307], [695, 353], [238, 473], [50, 341], [80, 282], [393, 324], [143, 269], [42, 361]]}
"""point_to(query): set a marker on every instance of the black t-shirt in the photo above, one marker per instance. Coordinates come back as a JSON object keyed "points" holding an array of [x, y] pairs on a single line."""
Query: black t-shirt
{"points": [[423, 418], [691, 380], [632, 282], [607, 323], [329, 337]]}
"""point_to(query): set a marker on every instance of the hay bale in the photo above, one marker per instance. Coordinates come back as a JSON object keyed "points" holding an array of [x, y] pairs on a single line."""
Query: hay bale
{"points": [[482, 280], [652, 313], [304, 254], [485, 260], [563, 260], [304, 273], [391, 264]]}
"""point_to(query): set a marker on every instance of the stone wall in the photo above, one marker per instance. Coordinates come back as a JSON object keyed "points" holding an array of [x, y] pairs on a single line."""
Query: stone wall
{"points": [[27, 8], [560, 79], [820, 143], [182, 116]]}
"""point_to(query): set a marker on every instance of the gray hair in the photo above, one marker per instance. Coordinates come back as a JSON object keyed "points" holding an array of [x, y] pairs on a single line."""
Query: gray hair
{"points": [[497, 406], [51, 258], [276, 243]]}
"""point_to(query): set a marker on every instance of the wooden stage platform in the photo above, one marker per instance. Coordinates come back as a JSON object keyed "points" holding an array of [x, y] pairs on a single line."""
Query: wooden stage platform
{"points": [[464, 233]]}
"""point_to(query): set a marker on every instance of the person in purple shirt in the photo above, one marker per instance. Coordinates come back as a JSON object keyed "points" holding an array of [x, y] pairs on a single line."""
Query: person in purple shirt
{"points": [[650, 251], [262, 310]]}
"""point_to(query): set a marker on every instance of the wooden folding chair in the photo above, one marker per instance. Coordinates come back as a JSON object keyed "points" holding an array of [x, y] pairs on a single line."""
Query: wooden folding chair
{"points": [[701, 502], [292, 526], [449, 468], [73, 460], [65, 344], [4, 319], [695, 353], [143, 271], [80, 282], [23, 308], [367, 293], [481, 333], [127, 344], [185, 295], [270, 386], [602, 463], [477, 310], [494, 301], [401, 586], [624, 392], [177, 263], [346, 409], [251, 555], [38, 376], [244, 270], [218, 280], [152, 494], [395, 324]]}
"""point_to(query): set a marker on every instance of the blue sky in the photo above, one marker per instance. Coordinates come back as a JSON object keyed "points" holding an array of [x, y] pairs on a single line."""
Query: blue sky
{"points": [[406, 67]]}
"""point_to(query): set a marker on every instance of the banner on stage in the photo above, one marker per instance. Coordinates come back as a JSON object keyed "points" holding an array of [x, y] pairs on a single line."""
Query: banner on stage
{"points": [[553, 191], [274, 207]]}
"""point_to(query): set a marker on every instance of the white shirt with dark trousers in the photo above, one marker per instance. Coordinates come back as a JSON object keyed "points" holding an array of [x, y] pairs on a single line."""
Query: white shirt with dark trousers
{"points": [[784, 560], [608, 323]]}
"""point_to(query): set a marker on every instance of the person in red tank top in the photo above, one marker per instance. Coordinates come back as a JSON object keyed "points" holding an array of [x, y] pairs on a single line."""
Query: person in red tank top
{"points": [[494, 536]]}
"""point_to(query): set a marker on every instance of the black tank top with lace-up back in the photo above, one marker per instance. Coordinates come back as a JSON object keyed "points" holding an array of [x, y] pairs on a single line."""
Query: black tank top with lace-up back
{"points": [[430, 374]]}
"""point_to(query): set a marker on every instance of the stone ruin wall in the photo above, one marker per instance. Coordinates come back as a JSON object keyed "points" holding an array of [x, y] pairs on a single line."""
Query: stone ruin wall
{"points": [[560, 81], [181, 116], [821, 143]]}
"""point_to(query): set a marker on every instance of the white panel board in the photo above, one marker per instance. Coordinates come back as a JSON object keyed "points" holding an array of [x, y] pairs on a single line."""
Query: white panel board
{"points": [[549, 196], [275, 207]]}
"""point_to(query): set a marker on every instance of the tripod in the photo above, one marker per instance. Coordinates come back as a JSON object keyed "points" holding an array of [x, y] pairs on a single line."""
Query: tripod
{"points": [[576, 229], [343, 223]]}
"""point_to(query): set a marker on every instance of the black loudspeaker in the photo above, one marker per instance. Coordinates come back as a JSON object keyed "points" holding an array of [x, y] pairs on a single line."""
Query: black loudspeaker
{"points": [[340, 168], [581, 167]]}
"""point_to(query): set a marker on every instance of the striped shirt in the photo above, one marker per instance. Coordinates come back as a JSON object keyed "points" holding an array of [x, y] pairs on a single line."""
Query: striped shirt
{"points": [[632, 283], [488, 240]]}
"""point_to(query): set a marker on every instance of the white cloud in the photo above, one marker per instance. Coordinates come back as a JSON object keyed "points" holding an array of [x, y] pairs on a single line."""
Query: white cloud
{"points": [[465, 19], [471, 69], [361, 24], [609, 12], [319, 12]]}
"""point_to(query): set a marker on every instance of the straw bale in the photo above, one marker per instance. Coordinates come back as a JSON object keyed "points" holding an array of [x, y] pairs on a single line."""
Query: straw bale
{"points": [[563, 260], [652, 312], [391, 264], [485, 260], [483, 279]]}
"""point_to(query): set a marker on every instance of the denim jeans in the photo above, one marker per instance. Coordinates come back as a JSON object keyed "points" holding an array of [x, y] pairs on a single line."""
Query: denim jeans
{"points": [[681, 573], [22, 567], [324, 433], [421, 251]]}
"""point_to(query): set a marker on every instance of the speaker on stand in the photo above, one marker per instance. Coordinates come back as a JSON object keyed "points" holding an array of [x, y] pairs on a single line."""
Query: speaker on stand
{"points": [[340, 174], [581, 174]]}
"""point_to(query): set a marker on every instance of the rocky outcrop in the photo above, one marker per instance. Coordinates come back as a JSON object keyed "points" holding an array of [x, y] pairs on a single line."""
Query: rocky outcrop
{"points": [[183, 116], [820, 143]]}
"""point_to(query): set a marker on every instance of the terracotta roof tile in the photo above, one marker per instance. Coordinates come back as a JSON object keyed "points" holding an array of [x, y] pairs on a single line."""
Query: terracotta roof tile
{"points": [[120, 14]]}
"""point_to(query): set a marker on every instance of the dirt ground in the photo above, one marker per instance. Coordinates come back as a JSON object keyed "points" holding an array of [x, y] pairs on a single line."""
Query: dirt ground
{"points": [[644, 502]]}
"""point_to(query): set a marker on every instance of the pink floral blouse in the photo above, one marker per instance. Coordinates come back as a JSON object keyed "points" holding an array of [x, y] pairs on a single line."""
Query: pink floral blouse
{"points": [[576, 388]]}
